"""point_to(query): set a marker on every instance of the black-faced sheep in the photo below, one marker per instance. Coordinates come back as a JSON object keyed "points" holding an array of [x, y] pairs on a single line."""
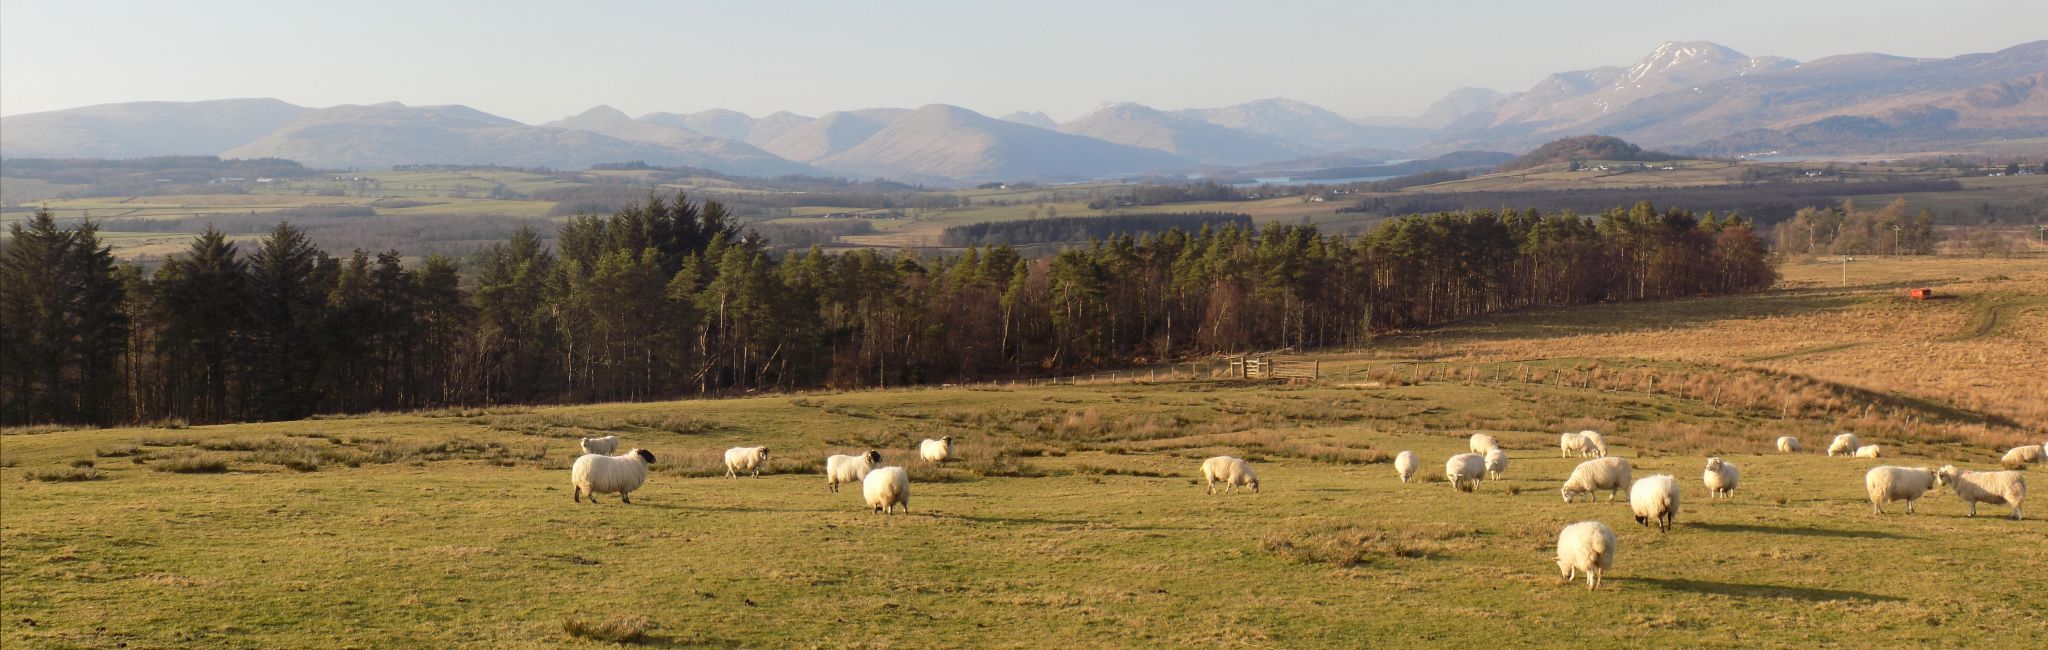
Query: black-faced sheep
{"points": [[745, 459], [849, 469], [595, 474]]}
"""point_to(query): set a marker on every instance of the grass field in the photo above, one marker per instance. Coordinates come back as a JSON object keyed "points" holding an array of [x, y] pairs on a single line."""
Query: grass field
{"points": [[1074, 516]]}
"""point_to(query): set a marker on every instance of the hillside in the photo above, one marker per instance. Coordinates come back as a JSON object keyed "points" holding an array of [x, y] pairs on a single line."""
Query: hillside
{"points": [[143, 129], [1584, 147], [1142, 126], [390, 134], [689, 147], [940, 141], [832, 133], [1307, 125]]}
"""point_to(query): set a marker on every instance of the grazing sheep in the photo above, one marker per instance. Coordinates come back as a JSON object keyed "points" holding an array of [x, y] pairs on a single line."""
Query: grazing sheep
{"points": [[1482, 442], [1610, 474], [1721, 478], [886, 488], [1404, 464], [1596, 445], [1887, 483], [1465, 471], [1788, 444], [1586, 547], [849, 469], [1232, 471], [2021, 456], [596, 474], [601, 446], [1655, 499], [1867, 451], [1995, 488], [745, 459], [1844, 444], [936, 451], [1571, 443], [1496, 463]]}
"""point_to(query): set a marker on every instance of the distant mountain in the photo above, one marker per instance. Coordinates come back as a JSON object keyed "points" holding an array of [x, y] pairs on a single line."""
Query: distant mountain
{"points": [[1455, 106], [717, 122], [692, 149], [1142, 126], [1306, 125], [1584, 147], [832, 133], [949, 142], [1033, 118], [141, 129], [1708, 98], [388, 134]]}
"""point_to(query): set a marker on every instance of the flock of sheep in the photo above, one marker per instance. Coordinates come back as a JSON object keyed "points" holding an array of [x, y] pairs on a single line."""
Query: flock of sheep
{"points": [[1586, 547]]}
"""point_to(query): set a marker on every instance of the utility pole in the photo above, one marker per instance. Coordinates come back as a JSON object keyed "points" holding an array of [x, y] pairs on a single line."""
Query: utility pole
{"points": [[1895, 239]]}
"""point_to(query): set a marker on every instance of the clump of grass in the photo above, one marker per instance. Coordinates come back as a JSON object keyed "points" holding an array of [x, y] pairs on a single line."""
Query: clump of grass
{"points": [[617, 629], [117, 451], [1099, 470], [805, 402], [163, 441], [171, 423], [192, 465], [1348, 545], [71, 474], [1514, 490], [34, 429], [85, 463], [680, 424]]}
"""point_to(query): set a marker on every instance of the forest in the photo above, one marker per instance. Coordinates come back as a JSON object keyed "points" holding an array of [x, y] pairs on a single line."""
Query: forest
{"points": [[670, 298], [1074, 229]]}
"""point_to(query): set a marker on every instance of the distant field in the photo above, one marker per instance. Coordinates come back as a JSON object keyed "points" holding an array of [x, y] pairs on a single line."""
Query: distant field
{"points": [[1073, 516]]}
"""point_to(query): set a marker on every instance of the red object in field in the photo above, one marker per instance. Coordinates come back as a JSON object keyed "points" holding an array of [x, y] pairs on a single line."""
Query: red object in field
{"points": [[1920, 294]]}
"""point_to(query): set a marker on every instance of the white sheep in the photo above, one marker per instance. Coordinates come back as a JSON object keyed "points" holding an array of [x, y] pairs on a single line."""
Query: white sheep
{"points": [[1586, 547], [1788, 444], [1465, 471], [936, 451], [1571, 443], [602, 446], [1232, 471], [596, 474], [2021, 456], [1404, 464], [1655, 499], [1611, 474], [1867, 451], [745, 459], [1482, 442], [2007, 487], [885, 488], [1596, 444], [1845, 444], [849, 469], [1887, 483], [1720, 478], [1496, 463]]}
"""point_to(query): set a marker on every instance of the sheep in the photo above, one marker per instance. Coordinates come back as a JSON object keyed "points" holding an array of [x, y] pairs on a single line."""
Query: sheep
{"points": [[2019, 457], [1596, 445], [1232, 471], [595, 474], [1571, 443], [1482, 442], [1845, 444], [1655, 499], [1404, 464], [1721, 478], [1588, 547], [601, 446], [936, 451], [1867, 451], [1465, 471], [745, 459], [1887, 483], [2007, 487], [1496, 463], [849, 469], [1611, 474], [1788, 444], [885, 488]]}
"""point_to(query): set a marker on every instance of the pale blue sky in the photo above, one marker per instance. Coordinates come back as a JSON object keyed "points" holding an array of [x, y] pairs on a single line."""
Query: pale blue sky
{"points": [[538, 61]]}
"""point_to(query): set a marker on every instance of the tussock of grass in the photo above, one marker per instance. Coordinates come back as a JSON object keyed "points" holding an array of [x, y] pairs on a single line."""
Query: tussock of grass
{"points": [[192, 465], [66, 475], [34, 429], [1348, 545], [117, 451], [617, 629], [679, 424], [85, 463], [167, 441], [1101, 470]]}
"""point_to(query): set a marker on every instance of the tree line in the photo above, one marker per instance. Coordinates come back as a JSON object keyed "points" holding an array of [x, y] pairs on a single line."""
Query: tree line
{"points": [[1079, 229], [669, 298], [1845, 230]]}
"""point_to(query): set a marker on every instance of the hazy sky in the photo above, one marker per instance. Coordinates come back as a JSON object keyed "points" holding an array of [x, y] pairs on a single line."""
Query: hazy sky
{"points": [[538, 61]]}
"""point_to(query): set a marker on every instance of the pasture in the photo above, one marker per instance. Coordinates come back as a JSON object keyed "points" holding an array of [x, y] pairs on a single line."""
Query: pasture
{"points": [[1074, 515]]}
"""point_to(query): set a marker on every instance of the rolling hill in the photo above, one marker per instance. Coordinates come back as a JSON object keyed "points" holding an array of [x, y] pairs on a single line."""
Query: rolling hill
{"points": [[1307, 125], [389, 134], [832, 133], [948, 142], [142, 129], [694, 149], [1142, 126]]}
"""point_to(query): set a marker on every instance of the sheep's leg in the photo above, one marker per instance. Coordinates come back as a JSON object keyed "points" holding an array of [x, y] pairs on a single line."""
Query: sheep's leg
{"points": [[577, 495], [1973, 508], [626, 497]]}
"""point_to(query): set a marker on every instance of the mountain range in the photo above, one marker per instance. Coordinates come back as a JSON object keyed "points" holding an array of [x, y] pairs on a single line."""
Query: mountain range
{"points": [[1683, 97]]}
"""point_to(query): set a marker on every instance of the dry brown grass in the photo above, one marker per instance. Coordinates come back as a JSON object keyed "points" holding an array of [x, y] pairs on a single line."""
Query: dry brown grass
{"points": [[1346, 545], [616, 629]]}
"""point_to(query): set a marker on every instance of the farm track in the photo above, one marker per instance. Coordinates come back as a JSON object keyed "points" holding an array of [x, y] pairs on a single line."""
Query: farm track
{"points": [[1991, 316]]}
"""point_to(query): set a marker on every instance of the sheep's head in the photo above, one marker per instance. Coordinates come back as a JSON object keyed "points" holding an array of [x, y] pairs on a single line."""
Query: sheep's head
{"points": [[764, 452], [948, 440], [1945, 475], [1569, 494], [874, 456], [1645, 521], [1255, 485], [645, 455], [1713, 464]]}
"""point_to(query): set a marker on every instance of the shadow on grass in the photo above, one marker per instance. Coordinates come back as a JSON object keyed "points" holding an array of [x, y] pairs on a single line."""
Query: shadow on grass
{"points": [[1761, 591], [1790, 530]]}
